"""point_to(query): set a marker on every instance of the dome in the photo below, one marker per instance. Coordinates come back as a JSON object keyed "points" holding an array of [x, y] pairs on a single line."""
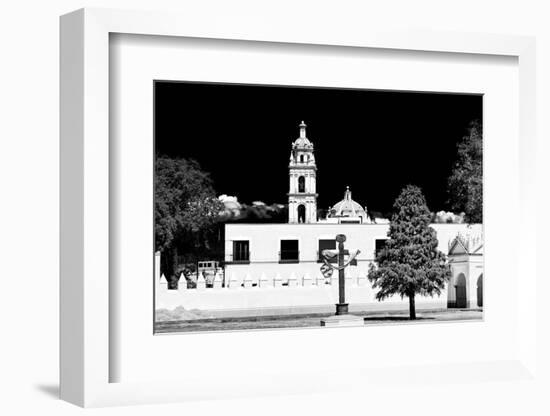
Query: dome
{"points": [[302, 142], [349, 208]]}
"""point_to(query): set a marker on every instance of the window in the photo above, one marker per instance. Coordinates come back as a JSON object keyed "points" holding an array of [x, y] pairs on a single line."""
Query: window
{"points": [[327, 245], [289, 251], [301, 184], [301, 158], [379, 245], [241, 251]]}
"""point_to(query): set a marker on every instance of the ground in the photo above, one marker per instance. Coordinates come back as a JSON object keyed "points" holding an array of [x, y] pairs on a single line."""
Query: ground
{"points": [[312, 320]]}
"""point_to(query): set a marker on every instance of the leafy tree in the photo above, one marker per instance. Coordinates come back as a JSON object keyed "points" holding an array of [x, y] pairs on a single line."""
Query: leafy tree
{"points": [[466, 180], [186, 211], [410, 262]]}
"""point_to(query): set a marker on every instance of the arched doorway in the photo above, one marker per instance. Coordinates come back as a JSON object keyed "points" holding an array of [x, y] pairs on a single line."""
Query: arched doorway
{"points": [[301, 213], [480, 290], [301, 184], [460, 290]]}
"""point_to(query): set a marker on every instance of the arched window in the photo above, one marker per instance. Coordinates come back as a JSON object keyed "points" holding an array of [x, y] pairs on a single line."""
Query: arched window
{"points": [[301, 184], [301, 213], [301, 158]]}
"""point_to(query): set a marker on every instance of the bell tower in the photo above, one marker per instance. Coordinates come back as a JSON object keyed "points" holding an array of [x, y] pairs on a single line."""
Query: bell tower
{"points": [[302, 171]]}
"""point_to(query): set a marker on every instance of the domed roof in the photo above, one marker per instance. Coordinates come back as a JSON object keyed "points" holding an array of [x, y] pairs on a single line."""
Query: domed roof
{"points": [[348, 207], [302, 142]]}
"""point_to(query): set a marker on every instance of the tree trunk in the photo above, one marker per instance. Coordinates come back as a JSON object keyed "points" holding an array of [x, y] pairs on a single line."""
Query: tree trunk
{"points": [[170, 266], [412, 310]]}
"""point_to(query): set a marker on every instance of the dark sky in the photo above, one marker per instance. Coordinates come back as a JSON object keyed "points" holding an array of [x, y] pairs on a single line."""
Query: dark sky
{"points": [[374, 141]]}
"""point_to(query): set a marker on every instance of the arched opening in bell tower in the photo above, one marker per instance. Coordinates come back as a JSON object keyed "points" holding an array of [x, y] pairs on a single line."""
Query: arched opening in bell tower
{"points": [[301, 213], [301, 184]]}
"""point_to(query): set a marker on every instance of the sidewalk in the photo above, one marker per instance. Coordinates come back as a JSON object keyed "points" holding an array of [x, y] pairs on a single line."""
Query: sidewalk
{"points": [[313, 320]]}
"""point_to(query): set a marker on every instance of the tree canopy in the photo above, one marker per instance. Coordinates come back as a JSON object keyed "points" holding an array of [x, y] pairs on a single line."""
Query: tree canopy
{"points": [[466, 180], [186, 208], [410, 262]]}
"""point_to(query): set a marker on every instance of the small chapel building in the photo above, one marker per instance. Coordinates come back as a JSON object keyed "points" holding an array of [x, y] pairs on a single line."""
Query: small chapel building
{"points": [[466, 259]]}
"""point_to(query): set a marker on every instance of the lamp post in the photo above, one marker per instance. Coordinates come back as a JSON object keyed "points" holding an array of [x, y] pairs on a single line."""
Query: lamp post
{"points": [[342, 316], [341, 306]]}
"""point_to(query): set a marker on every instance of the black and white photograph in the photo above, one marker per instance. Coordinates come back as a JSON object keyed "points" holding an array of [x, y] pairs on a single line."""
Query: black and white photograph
{"points": [[275, 208], [292, 207]]}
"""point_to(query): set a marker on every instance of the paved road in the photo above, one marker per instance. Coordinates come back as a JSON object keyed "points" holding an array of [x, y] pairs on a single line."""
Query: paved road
{"points": [[312, 320]]}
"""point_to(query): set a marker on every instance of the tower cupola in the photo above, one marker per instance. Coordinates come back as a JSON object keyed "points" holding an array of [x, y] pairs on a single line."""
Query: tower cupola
{"points": [[302, 172]]}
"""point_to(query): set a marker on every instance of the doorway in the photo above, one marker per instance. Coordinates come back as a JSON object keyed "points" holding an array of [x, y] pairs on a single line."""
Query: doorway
{"points": [[460, 288], [480, 290]]}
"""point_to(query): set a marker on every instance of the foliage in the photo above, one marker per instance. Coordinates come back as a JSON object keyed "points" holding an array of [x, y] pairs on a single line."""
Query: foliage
{"points": [[410, 262], [466, 181], [186, 210]]}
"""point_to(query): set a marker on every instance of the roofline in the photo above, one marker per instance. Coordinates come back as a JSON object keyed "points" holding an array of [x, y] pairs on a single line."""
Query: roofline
{"points": [[302, 194], [299, 166]]}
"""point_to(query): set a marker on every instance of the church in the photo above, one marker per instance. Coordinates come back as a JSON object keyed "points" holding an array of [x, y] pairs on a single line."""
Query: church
{"points": [[275, 256], [277, 269]]}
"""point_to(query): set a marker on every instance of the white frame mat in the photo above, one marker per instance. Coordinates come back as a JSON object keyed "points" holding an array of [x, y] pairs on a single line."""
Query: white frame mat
{"points": [[86, 357]]}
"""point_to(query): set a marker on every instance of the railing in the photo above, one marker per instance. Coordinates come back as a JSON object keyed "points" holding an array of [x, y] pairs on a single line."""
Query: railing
{"points": [[242, 257]]}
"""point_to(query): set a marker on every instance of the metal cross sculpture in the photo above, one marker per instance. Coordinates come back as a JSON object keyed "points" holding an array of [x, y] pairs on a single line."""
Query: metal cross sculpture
{"points": [[327, 268]]}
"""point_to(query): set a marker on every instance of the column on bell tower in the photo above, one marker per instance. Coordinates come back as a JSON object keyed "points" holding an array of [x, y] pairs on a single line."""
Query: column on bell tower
{"points": [[302, 172]]}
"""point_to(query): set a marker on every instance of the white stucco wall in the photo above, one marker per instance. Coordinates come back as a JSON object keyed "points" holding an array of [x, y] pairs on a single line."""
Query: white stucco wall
{"points": [[257, 301], [264, 240], [265, 286]]}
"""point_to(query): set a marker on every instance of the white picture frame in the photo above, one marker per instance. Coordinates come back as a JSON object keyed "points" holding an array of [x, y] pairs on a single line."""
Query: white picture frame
{"points": [[86, 336]]}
